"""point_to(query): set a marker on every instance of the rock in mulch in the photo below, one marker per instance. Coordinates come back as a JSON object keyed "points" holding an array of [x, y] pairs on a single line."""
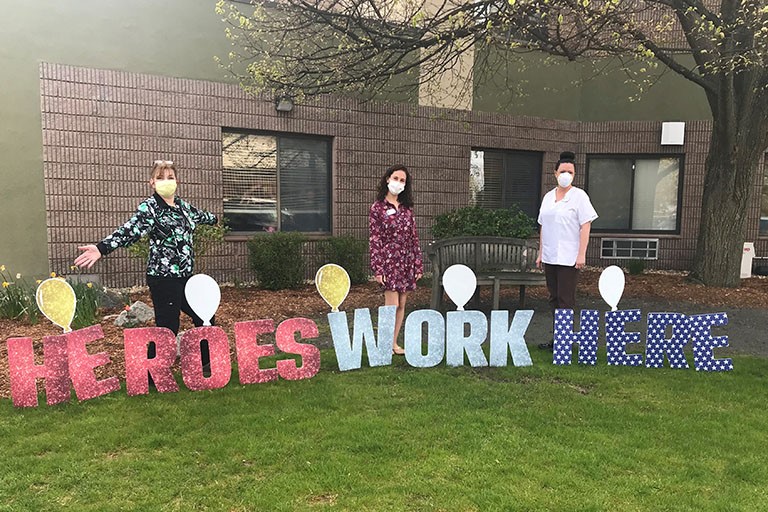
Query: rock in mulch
{"points": [[137, 314]]}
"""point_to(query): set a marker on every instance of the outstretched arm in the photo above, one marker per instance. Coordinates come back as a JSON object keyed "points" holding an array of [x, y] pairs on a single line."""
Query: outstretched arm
{"points": [[136, 227]]}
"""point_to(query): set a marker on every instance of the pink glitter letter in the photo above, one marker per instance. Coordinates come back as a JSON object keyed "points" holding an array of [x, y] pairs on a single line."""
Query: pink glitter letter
{"points": [[23, 371], [137, 364], [81, 364], [192, 363], [310, 354], [249, 351]]}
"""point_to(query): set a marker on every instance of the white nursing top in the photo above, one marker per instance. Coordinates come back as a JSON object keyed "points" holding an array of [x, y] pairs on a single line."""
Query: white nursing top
{"points": [[561, 223]]}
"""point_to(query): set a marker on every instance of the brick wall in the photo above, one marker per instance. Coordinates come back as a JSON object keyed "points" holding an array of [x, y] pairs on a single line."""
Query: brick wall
{"points": [[103, 129]]}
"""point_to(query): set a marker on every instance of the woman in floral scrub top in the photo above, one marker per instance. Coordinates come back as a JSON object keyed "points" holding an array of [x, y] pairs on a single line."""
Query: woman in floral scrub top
{"points": [[394, 242], [170, 222]]}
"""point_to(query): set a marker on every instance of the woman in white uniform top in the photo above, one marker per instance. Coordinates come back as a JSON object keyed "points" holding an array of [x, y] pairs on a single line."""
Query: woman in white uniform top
{"points": [[565, 217]]}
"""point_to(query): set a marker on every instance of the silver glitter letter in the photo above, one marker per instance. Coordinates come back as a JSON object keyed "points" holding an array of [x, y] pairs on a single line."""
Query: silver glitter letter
{"points": [[512, 337], [456, 343], [349, 355], [435, 338]]}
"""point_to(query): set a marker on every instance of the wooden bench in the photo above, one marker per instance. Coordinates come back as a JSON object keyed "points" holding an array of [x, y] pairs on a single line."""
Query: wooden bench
{"points": [[495, 261]]}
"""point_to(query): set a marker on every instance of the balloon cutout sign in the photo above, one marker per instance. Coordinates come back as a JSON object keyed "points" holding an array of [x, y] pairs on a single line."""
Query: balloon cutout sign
{"points": [[56, 300], [611, 286], [430, 338], [332, 283], [460, 283], [203, 296]]}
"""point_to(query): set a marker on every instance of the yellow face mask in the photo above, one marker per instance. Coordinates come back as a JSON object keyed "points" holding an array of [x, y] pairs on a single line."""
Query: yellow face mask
{"points": [[166, 188]]}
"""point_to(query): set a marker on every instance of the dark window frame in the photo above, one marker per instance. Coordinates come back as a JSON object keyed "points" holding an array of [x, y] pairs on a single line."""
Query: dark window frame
{"points": [[277, 135], [538, 175], [634, 157], [762, 233]]}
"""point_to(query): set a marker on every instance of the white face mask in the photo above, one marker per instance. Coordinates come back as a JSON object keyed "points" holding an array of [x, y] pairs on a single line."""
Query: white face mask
{"points": [[395, 187], [565, 179]]}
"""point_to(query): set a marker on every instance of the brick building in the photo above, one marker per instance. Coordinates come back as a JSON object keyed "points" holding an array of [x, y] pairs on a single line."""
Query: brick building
{"points": [[99, 122]]}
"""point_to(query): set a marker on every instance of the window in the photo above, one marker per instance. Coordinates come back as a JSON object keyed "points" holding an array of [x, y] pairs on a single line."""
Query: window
{"points": [[499, 179], [634, 194], [630, 248], [276, 182]]}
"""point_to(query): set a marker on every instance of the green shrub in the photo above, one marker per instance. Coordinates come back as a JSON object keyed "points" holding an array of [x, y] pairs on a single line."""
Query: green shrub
{"points": [[349, 252], [636, 267], [475, 221], [277, 260], [204, 239]]}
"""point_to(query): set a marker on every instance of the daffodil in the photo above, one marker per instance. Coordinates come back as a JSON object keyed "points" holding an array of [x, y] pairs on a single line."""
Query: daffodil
{"points": [[18, 276], [2, 268], [53, 274], [89, 285], [38, 281], [6, 284]]}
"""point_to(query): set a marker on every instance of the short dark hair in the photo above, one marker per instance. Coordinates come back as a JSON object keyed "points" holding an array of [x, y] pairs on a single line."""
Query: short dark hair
{"points": [[406, 196]]}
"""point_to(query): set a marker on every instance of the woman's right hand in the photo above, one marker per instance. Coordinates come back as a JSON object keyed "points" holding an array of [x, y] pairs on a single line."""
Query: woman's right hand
{"points": [[380, 279], [88, 257], [538, 261]]}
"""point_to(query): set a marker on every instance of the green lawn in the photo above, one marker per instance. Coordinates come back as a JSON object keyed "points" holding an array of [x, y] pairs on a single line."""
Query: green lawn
{"points": [[399, 438]]}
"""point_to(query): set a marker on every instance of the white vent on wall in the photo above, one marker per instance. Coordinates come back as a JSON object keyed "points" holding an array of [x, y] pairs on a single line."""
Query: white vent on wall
{"points": [[672, 134], [630, 248]]}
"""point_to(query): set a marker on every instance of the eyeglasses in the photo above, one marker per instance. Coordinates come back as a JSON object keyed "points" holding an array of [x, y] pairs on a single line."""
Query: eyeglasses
{"points": [[163, 162]]}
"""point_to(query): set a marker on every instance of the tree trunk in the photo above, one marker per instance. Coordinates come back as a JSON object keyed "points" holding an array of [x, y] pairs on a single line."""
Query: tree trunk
{"points": [[728, 191]]}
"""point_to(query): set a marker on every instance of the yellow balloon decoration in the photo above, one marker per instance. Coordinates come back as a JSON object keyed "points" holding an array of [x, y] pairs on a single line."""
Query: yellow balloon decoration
{"points": [[56, 299], [332, 282]]}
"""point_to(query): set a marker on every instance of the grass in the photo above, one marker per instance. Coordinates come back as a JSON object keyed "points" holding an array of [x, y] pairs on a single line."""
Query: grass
{"points": [[399, 438]]}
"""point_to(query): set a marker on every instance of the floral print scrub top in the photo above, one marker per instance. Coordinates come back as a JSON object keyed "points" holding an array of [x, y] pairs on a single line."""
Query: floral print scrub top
{"points": [[394, 246], [170, 231]]}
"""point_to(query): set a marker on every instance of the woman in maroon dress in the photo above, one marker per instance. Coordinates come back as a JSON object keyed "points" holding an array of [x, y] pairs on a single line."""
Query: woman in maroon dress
{"points": [[394, 242]]}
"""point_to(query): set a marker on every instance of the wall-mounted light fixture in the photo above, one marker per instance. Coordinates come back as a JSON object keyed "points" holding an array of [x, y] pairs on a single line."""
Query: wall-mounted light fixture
{"points": [[672, 134], [283, 103]]}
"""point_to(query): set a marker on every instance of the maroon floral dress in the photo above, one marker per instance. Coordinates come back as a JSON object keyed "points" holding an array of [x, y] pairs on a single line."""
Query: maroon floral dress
{"points": [[394, 246]]}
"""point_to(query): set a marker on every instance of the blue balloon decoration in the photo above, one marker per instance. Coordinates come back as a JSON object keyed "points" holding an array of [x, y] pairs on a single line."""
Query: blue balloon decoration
{"points": [[704, 342], [565, 337], [504, 336], [616, 338], [435, 338], [657, 344]]}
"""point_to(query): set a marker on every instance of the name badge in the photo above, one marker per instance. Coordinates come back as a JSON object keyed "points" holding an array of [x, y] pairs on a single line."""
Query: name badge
{"points": [[391, 211]]}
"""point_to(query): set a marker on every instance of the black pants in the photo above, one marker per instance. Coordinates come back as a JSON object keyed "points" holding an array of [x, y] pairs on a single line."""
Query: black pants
{"points": [[561, 283], [169, 301]]}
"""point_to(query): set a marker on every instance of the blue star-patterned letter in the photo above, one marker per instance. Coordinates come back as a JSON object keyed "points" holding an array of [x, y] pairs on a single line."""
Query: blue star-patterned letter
{"points": [[657, 344], [616, 338], [586, 337], [703, 343]]}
